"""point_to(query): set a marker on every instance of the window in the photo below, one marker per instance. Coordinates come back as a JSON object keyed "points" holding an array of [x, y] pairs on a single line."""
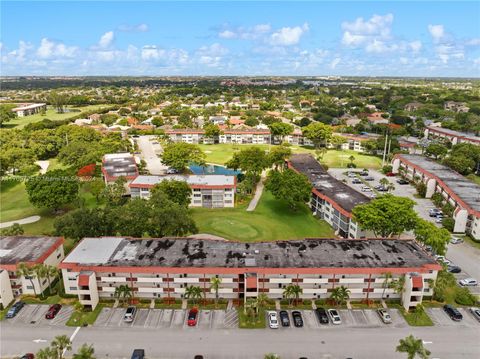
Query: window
{"points": [[29, 287], [72, 288], [59, 255]]}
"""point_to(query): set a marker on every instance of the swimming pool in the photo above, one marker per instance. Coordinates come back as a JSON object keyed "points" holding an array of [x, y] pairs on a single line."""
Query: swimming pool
{"points": [[213, 170]]}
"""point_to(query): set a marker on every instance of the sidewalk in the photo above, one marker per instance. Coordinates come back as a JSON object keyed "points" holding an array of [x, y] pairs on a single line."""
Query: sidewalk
{"points": [[258, 193]]}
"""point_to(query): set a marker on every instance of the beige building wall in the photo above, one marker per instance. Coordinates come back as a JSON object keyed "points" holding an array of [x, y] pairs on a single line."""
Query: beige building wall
{"points": [[6, 293]]}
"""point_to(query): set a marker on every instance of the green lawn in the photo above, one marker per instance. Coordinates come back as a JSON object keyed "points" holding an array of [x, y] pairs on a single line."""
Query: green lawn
{"points": [[79, 319], [420, 319], [51, 114], [272, 220], [221, 153], [245, 322], [474, 178]]}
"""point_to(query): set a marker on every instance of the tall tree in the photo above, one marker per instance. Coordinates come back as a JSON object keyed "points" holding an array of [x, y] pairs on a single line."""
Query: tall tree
{"points": [[277, 156], [215, 285], [280, 129], [340, 295], [52, 190], [252, 160], [86, 222], [436, 150], [386, 216], [123, 293], [212, 130], [413, 347], [85, 352], [176, 191], [24, 270], [319, 133], [58, 100], [290, 186], [60, 344], [193, 293], [6, 114], [180, 155], [427, 233]]}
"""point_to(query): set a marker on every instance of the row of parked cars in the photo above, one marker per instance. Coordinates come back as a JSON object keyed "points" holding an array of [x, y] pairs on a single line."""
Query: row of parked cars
{"points": [[323, 315], [50, 314], [455, 314]]}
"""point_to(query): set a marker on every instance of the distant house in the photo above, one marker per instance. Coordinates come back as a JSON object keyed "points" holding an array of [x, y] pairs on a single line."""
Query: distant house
{"points": [[218, 120], [412, 106], [456, 106], [376, 118], [27, 109], [118, 165], [210, 191], [94, 117]]}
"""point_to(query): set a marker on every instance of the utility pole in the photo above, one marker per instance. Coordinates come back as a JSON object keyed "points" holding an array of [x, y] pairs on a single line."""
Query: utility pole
{"points": [[384, 149]]}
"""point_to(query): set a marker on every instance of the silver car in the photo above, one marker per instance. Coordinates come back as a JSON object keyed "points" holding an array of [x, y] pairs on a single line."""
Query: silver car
{"points": [[129, 314], [385, 316], [476, 313]]}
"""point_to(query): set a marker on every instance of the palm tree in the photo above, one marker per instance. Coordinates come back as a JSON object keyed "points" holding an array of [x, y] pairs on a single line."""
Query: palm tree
{"points": [[418, 312], [214, 285], [340, 295], [60, 344], [40, 271], [288, 293], [384, 182], [390, 187], [46, 353], [387, 278], [23, 270], [123, 292], [292, 292], [262, 300], [51, 273], [413, 347], [398, 285], [193, 293], [351, 159], [271, 356], [297, 290], [85, 352]]}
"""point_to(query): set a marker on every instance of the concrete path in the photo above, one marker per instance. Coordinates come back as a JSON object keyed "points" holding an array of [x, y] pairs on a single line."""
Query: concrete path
{"points": [[258, 193], [43, 166], [151, 154], [26, 220]]}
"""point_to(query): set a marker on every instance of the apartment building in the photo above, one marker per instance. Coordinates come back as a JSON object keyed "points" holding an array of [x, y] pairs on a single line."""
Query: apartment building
{"points": [[454, 137], [332, 200], [28, 109], [116, 165], [163, 268], [210, 191], [461, 193], [29, 250], [246, 136]]}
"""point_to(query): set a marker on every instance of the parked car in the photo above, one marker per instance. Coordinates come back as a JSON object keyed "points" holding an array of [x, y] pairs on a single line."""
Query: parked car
{"points": [[351, 175], [381, 189], [384, 316], [453, 312], [439, 219], [138, 354], [272, 320], [28, 356], [322, 315], [454, 269], [442, 259], [433, 212], [468, 282], [171, 171], [129, 314], [14, 309], [366, 189], [297, 319], [402, 181], [284, 319], [356, 181], [456, 240], [334, 316], [53, 311], [192, 317], [390, 174], [476, 313], [364, 174], [369, 179]]}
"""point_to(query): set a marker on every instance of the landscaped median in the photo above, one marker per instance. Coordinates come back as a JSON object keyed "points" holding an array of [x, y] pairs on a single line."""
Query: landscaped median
{"points": [[415, 318], [80, 318]]}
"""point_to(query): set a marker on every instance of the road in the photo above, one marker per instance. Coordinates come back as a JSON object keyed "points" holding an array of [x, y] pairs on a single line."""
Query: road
{"points": [[150, 154], [443, 342]]}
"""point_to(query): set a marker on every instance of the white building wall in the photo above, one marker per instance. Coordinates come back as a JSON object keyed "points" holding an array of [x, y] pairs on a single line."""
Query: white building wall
{"points": [[6, 293]]}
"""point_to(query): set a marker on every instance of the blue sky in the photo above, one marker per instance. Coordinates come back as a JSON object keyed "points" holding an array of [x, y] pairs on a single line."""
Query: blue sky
{"points": [[380, 38]]}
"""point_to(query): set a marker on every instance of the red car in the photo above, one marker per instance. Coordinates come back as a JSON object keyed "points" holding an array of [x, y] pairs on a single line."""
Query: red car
{"points": [[192, 317], [28, 356], [390, 174], [53, 311]]}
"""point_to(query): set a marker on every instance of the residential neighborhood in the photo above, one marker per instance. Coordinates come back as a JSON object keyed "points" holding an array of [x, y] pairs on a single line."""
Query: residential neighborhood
{"points": [[235, 180]]}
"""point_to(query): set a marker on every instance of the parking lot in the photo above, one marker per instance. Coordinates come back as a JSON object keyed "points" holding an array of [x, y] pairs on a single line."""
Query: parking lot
{"points": [[440, 318], [161, 318], [34, 314], [355, 318]]}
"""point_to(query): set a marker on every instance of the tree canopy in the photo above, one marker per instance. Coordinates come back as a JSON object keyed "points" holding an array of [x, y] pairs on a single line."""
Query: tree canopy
{"points": [[429, 234], [317, 132], [176, 191], [290, 186], [386, 216], [251, 160], [180, 155]]}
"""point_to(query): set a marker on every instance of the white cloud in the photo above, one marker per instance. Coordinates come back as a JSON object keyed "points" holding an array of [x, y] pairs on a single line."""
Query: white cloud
{"points": [[227, 34], [211, 56], [445, 52], [437, 32], [151, 52], [334, 63], [51, 49], [133, 28], [415, 46], [363, 31], [245, 33], [107, 39], [473, 42], [287, 36]]}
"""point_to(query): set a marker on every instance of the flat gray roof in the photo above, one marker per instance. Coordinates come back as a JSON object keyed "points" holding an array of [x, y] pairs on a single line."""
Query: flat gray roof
{"points": [[15, 249], [192, 180], [188, 252], [469, 136], [468, 191], [345, 196]]}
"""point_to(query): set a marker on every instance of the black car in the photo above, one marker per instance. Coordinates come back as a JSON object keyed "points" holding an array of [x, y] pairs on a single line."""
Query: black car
{"points": [[297, 319], [402, 181], [138, 354], [322, 315], [369, 179], [453, 312], [284, 319], [454, 269], [13, 311]]}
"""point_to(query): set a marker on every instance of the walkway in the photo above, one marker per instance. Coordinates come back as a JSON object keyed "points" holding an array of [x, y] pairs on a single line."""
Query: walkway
{"points": [[26, 220], [43, 166], [258, 193]]}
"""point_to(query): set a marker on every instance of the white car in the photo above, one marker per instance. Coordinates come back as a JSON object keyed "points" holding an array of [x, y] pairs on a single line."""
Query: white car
{"points": [[351, 175], [386, 318], [334, 316], [443, 260], [273, 320], [366, 189], [468, 282], [129, 314], [456, 240]]}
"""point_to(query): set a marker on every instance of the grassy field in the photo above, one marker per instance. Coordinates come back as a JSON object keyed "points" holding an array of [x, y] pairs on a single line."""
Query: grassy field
{"points": [[51, 114], [272, 220], [221, 153]]}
